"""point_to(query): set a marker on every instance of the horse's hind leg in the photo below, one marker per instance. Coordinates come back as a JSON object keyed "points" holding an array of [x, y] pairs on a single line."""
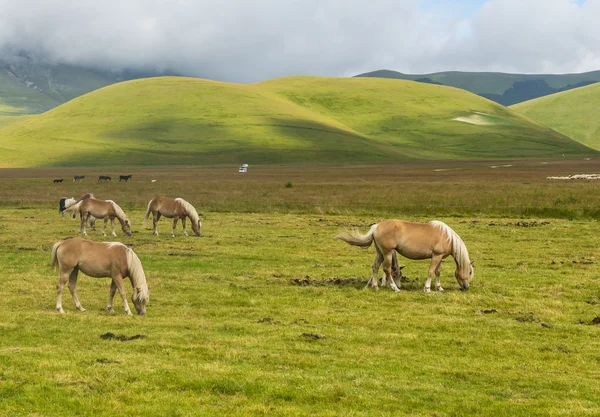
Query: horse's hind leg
{"points": [[387, 268], [111, 295], [73, 289], [155, 219], [376, 264], [63, 277], [436, 260], [118, 282], [104, 227], [82, 224]]}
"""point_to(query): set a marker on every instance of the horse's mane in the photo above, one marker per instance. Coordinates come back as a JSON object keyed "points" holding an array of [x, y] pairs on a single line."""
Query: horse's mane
{"points": [[138, 278], [118, 210], [189, 210], [459, 250]]}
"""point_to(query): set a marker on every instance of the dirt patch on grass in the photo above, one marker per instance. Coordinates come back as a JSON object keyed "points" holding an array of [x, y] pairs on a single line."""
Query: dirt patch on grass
{"points": [[121, 337], [520, 224]]}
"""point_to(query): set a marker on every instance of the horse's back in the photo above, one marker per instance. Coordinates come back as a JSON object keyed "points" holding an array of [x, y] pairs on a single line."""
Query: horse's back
{"points": [[414, 240], [96, 259]]}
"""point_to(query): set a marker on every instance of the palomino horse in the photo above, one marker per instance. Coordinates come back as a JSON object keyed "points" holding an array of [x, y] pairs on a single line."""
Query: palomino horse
{"points": [[103, 210], [435, 240], [100, 260], [173, 209], [70, 205]]}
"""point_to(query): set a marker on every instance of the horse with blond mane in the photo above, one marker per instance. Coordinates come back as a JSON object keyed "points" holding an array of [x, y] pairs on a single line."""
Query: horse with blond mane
{"points": [[100, 260], [434, 240], [173, 209], [102, 210]]}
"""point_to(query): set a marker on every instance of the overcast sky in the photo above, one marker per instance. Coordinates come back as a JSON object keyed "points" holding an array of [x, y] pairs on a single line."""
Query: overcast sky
{"points": [[253, 40]]}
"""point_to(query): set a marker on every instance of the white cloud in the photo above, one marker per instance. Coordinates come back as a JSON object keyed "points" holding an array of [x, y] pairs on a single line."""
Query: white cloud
{"points": [[243, 40]]}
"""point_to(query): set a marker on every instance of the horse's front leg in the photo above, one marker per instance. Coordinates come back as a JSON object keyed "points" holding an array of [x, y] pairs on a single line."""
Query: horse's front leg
{"points": [[438, 285], [174, 225], [111, 295], [73, 289], [118, 282], [183, 225], [376, 264], [112, 226], [436, 260]]}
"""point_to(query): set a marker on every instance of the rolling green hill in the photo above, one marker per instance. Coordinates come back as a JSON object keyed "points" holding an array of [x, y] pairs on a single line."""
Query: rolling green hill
{"points": [[176, 120], [573, 113], [506, 89]]}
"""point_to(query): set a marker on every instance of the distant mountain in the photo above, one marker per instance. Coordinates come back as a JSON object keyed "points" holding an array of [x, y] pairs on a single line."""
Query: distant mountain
{"points": [[506, 89], [30, 85]]}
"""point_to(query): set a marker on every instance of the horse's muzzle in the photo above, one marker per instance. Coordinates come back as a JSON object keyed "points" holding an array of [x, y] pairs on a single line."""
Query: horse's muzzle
{"points": [[464, 288]]}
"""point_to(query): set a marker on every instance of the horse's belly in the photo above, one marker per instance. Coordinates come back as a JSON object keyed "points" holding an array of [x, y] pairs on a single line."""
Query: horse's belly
{"points": [[95, 269], [415, 254]]}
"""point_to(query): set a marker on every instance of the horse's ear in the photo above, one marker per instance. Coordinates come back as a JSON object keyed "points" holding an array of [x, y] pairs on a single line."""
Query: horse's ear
{"points": [[472, 263]]}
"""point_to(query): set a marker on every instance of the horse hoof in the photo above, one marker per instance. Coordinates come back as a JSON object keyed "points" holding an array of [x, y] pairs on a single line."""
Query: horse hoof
{"points": [[60, 310]]}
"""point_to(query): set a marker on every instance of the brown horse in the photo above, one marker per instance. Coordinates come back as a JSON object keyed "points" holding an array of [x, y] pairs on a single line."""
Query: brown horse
{"points": [[103, 210], [99, 260], [173, 209], [434, 240]]}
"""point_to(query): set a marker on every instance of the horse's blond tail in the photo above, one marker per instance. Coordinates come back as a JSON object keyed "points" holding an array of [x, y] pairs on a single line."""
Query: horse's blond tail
{"points": [[358, 239], [138, 277], [148, 212], [74, 208], [54, 258]]}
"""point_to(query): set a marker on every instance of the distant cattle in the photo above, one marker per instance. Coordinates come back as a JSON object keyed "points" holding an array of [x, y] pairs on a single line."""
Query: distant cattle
{"points": [[103, 178], [58, 180], [78, 178], [124, 177]]}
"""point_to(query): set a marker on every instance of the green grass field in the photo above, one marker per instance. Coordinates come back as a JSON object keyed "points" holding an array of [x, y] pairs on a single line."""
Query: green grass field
{"points": [[265, 313], [570, 113], [183, 121]]}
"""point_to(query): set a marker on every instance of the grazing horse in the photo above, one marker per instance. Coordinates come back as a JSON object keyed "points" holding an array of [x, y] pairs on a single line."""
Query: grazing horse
{"points": [[58, 181], [103, 210], [103, 178], [78, 178], [435, 240], [100, 260], [124, 177], [173, 209]]}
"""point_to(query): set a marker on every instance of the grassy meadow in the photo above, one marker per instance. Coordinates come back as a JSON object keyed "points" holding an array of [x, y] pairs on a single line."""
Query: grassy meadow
{"points": [[265, 314], [301, 120]]}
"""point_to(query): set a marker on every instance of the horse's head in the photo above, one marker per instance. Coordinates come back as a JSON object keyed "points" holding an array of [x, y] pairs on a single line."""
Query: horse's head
{"points": [[126, 227], [463, 276], [139, 301], [196, 226]]}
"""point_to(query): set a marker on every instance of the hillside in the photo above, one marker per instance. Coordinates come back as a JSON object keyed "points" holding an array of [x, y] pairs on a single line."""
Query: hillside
{"points": [[506, 89], [175, 120], [573, 113]]}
